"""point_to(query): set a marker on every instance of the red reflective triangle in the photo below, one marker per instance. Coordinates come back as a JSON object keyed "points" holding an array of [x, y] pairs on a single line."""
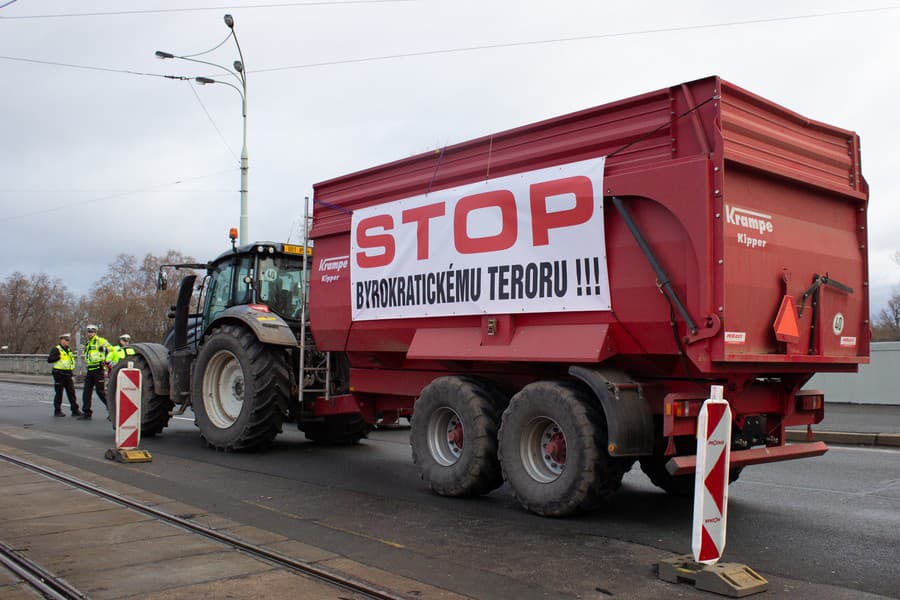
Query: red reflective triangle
{"points": [[787, 329], [714, 413], [126, 408], [715, 482], [134, 375], [708, 549], [131, 442]]}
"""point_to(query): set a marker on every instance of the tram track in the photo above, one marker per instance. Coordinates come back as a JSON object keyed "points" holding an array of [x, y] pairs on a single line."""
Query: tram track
{"points": [[47, 584], [37, 577]]}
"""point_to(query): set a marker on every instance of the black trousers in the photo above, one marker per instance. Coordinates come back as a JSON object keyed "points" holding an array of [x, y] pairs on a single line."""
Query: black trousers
{"points": [[93, 381], [62, 380]]}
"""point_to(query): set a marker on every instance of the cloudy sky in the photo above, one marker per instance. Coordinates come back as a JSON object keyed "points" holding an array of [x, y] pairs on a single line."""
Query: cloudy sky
{"points": [[96, 161]]}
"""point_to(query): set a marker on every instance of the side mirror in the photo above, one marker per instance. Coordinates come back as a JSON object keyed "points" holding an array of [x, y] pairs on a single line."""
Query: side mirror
{"points": [[162, 280]]}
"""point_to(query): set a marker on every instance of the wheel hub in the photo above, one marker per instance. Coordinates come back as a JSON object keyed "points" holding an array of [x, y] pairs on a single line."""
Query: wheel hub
{"points": [[445, 436], [223, 389], [542, 449]]}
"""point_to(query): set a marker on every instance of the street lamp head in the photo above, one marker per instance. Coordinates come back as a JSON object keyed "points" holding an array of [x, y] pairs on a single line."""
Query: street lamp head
{"points": [[238, 66], [161, 54], [204, 80], [229, 20]]}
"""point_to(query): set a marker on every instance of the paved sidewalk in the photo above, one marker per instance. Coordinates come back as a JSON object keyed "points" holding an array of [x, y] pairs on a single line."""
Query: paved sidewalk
{"points": [[107, 551], [868, 424]]}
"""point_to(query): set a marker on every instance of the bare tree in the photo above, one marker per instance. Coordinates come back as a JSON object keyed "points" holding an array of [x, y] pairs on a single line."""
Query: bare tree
{"points": [[887, 324], [126, 300], [34, 310]]}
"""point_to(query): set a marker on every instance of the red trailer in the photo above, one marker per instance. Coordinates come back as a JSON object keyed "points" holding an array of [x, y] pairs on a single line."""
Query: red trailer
{"points": [[555, 300]]}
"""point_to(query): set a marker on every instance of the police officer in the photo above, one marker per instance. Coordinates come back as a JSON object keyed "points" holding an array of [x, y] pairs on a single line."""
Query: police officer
{"points": [[95, 351], [117, 353], [63, 360]]}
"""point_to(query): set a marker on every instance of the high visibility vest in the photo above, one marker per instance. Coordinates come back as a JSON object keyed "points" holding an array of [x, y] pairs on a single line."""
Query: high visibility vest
{"points": [[66, 360], [95, 351], [117, 353]]}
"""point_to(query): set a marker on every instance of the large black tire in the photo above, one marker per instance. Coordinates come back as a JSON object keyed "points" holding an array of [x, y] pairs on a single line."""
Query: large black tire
{"points": [[682, 486], [155, 410], [553, 442], [336, 430], [454, 436], [239, 388]]}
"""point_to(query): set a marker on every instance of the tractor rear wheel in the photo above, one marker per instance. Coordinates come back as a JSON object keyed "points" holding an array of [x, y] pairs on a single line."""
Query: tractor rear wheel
{"points": [[240, 386], [553, 450], [155, 410], [454, 436]]}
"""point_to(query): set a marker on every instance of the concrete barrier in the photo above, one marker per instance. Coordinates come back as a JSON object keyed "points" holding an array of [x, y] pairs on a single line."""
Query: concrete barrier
{"points": [[24, 364], [874, 384]]}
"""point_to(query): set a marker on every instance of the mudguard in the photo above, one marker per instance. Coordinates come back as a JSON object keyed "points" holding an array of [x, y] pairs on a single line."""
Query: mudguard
{"points": [[628, 417], [268, 327], [157, 356]]}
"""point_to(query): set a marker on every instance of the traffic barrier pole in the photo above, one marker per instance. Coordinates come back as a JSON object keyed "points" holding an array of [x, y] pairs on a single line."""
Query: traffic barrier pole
{"points": [[128, 418], [711, 480], [703, 568]]}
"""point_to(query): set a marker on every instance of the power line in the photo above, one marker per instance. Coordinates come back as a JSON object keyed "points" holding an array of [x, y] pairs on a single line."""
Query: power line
{"points": [[150, 191], [480, 47], [109, 197], [90, 68], [576, 38], [199, 8], [213, 123]]}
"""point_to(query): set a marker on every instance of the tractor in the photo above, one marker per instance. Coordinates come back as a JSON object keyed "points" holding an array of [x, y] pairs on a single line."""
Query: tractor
{"points": [[236, 349]]}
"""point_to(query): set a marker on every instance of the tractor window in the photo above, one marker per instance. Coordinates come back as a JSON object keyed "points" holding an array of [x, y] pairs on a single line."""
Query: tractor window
{"points": [[280, 278], [241, 288], [218, 291]]}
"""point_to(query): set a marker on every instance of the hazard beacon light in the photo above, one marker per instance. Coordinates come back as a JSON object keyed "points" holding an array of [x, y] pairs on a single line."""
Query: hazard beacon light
{"points": [[786, 327]]}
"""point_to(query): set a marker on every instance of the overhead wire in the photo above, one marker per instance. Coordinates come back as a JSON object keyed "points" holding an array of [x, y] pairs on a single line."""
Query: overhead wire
{"points": [[8, 218], [213, 123], [198, 9], [578, 38], [524, 43]]}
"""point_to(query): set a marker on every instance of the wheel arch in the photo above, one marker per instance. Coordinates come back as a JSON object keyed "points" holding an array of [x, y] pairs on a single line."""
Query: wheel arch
{"points": [[157, 357], [268, 328], [629, 419]]}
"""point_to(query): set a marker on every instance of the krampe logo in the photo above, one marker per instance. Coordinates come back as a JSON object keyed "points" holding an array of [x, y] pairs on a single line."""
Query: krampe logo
{"points": [[336, 263], [748, 219]]}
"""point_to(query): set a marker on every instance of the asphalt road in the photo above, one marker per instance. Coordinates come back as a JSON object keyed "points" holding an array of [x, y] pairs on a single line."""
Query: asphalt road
{"points": [[827, 527]]}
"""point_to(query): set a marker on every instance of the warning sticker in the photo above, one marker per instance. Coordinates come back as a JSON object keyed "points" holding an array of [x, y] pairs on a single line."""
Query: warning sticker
{"points": [[735, 337]]}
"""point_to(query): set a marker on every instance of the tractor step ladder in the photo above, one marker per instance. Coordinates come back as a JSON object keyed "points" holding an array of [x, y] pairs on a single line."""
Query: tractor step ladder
{"points": [[315, 367]]}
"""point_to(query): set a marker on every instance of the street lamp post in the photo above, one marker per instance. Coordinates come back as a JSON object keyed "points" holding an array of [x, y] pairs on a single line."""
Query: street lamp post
{"points": [[240, 74]]}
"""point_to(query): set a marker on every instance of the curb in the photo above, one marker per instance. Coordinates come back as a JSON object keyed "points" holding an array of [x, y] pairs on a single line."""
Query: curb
{"points": [[27, 379], [843, 437]]}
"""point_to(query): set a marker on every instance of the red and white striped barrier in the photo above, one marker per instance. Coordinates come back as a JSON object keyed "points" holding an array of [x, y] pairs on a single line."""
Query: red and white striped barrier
{"points": [[711, 487], [128, 409]]}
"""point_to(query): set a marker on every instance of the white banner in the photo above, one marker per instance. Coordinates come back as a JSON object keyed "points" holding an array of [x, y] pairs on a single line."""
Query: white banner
{"points": [[524, 243]]}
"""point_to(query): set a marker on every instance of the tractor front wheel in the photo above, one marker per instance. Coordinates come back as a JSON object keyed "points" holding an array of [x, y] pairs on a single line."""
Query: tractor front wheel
{"points": [[240, 386]]}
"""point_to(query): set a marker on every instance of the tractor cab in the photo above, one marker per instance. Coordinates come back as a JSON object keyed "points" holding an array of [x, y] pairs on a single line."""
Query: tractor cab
{"points": [[262, 277], [263, 274]]}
